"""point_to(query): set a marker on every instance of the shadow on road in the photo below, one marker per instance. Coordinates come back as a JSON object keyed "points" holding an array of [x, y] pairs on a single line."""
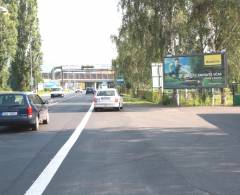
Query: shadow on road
{"points": [[14, 129], [195, 160], [229, 123]]}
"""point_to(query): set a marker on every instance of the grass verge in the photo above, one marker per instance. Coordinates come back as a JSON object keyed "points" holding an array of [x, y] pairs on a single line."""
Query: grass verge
{"points": [[127, 99]]}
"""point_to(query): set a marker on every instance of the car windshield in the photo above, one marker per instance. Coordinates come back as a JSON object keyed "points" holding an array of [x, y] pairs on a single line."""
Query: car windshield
{"points": [[106, 93], [11, 100], [56, 89]]}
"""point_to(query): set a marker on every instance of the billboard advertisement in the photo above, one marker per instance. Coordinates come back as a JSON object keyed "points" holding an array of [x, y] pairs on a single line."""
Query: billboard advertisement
{"points": [[195, 71]]}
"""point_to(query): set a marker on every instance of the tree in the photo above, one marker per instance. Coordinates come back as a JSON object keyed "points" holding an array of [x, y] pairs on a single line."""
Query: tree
{"points": [[28, 55], [152, 29], [148, 32], [8, 40]]}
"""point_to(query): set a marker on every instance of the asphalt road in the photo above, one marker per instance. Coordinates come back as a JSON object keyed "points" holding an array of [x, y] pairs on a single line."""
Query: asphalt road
{"points": [[142, 150]]}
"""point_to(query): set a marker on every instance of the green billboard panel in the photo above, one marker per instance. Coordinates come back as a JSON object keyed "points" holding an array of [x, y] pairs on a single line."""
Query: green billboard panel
{"points": [[195, 71]]}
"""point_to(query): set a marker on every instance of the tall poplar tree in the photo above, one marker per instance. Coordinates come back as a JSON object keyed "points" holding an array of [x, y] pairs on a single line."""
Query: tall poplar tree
{"points": [[28, 56], [8, 39]]}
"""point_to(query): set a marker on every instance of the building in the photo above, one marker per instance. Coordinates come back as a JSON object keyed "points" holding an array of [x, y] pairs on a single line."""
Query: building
{"points": [[72, 76]]}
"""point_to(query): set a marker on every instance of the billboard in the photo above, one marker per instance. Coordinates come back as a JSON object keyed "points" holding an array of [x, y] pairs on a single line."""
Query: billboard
{"points": [[195, 71]]}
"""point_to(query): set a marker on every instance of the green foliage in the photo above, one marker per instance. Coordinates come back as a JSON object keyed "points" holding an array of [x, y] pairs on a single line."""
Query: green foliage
{"points": [[152, 29], [128, 99], [20, 44], [187, 98], [156, 97], [167, 100], [28, 55], [8, 39]]}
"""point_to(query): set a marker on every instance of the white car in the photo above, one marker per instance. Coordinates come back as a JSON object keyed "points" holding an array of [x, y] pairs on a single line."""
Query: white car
{"points": [[57, 92], [107, 98], [78, 90]]}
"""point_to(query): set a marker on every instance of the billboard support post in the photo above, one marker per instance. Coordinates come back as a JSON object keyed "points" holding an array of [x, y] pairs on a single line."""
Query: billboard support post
{"points": [[213, 98], [177, 97], [223, 95], [186, 95]]}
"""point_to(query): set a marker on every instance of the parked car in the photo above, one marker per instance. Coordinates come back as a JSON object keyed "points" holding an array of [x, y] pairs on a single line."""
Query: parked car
{"points": [[22, 108], [107, 98], [57, 92], [90, 90]]}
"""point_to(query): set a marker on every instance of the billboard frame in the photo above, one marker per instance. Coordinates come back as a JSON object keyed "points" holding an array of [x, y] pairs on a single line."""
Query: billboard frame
{"points": [[224, 65]]}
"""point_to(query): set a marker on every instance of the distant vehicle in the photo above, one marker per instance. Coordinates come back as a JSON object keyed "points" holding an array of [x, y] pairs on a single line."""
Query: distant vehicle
{"points": [[57, 92], [22, 108], [104, 85], [90, 90], [78, 90], [107, 98]]}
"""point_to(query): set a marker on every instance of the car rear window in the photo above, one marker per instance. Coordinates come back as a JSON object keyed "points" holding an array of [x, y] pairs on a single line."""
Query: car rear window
{"points": [[11, 99], [106, 93], [56, 89]]}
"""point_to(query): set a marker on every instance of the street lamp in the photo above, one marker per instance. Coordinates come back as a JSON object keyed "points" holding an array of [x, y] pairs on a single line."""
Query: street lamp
{"points": [[3, 10], [29, 51]]}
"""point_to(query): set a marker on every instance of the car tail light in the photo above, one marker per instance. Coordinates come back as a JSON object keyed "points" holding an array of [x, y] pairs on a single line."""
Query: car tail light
{"points": [[94, 99], [29, 112], [116, 99]]}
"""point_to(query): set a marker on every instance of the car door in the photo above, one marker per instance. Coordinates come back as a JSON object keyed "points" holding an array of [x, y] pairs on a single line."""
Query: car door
{"points": [[43, 107], [37, 106]]}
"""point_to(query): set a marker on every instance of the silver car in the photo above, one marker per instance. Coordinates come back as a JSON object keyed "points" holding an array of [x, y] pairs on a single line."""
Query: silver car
{"points": [[107, 98]]}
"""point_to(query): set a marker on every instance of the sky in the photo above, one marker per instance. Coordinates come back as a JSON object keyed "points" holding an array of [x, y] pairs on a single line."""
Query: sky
{"points": [[77, 32]]}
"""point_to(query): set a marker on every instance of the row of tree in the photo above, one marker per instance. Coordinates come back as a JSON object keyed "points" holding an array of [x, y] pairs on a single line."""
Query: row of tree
{"points": [[20, 45], [153, 29]]}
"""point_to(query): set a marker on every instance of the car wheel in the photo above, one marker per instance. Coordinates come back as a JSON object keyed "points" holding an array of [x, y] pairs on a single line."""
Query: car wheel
{"points": [[52, 96], [47, 120], [35, 126], [96, 109], [121, 106], [118, 108]]}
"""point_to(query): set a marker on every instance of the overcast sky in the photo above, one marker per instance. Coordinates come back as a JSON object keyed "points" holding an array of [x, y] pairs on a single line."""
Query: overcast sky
{"points": [[76, 32]]}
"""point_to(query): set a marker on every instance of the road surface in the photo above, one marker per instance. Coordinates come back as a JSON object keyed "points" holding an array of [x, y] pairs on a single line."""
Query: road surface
{"points": [[142, 150]]}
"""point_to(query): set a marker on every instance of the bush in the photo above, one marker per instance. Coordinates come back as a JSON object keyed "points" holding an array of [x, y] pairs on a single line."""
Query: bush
{"points": [[151, 96], [167, 100], [192, 98], [47, 89], [156, 97], [148, 95]]}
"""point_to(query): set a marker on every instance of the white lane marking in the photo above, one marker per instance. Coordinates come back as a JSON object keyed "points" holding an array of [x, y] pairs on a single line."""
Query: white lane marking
{"points": [[40, 184]]}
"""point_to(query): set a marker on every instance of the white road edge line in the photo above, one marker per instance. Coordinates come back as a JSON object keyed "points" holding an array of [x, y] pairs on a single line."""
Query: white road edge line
{"points": [[41, 183]]}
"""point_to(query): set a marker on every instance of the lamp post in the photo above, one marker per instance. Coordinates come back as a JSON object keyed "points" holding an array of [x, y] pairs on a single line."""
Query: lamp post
{"points": [[3, 11], [29, 50], [31, 68]]}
